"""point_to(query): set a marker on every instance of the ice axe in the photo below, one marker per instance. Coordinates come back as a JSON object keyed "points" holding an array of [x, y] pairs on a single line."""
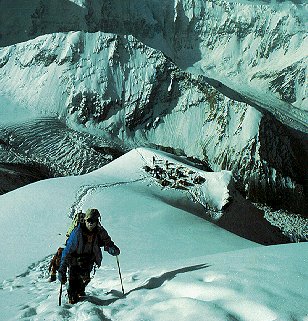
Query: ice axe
{"points": [[120, 274]]}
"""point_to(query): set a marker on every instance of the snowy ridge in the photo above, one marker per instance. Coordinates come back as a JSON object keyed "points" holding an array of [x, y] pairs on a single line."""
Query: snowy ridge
{"points": [[126, 176], [174, 263], [85, 191]]}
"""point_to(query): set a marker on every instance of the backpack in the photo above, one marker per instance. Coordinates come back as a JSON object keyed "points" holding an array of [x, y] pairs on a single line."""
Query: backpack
{"points": [[78, 218], [55, 264]]}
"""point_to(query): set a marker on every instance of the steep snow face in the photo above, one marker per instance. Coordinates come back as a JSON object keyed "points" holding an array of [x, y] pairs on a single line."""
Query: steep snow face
{"points": [[264, 43], [261, 43]]}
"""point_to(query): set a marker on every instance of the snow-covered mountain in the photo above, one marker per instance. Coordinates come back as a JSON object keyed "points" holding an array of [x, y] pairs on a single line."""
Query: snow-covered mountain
{"points": [[223, 82], [214, 95], [262, 42]]}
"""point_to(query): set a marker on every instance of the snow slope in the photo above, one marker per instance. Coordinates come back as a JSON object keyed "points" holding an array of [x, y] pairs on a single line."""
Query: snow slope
{"points": [[127, 196], [175, 264]]}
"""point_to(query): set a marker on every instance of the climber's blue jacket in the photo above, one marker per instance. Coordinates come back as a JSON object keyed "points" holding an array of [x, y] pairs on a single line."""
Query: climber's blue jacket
{"points": [[84, 247]]}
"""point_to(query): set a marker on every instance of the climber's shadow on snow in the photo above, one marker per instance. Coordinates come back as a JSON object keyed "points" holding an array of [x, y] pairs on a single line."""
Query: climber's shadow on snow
{"points": [[152, 283], [156, 282]]}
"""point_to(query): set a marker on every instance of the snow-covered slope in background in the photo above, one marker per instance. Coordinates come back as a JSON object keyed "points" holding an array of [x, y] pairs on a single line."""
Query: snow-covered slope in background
{"points": [[174, 263], [223, 82]]}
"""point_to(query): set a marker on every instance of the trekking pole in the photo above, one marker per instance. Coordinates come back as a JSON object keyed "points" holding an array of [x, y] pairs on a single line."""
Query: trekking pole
{"points": [[60, 294], [120, 273]]}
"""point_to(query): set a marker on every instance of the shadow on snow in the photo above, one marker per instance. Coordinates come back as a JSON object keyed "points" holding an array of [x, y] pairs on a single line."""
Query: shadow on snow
{"points": [[152, 283]]}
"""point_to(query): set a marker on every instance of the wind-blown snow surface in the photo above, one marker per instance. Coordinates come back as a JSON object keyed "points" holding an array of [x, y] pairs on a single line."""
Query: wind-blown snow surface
{"points": [[175, 265]]}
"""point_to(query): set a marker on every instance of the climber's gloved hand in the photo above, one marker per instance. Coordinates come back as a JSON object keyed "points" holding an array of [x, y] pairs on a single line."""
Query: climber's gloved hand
{"points": [[113, 250], [62, 277]]}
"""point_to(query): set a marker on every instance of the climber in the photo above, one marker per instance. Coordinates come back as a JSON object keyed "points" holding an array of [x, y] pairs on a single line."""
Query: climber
{"points": [[82, 251]]}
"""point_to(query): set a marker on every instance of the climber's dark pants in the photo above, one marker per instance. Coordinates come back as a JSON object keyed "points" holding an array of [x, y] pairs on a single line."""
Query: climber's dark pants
{"points": [[79, 278]]}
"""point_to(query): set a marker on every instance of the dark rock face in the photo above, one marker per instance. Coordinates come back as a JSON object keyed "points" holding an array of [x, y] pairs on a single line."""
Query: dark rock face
{"points": [[281, 176], [13, 176]]}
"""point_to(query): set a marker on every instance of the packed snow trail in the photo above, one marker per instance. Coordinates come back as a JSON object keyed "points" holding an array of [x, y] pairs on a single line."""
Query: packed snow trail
{"points": [[101, 292], [86, 190]]}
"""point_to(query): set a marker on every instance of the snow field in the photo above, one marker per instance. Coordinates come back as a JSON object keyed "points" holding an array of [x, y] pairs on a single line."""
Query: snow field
{"points": [[259, 284], [175, 265]]}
